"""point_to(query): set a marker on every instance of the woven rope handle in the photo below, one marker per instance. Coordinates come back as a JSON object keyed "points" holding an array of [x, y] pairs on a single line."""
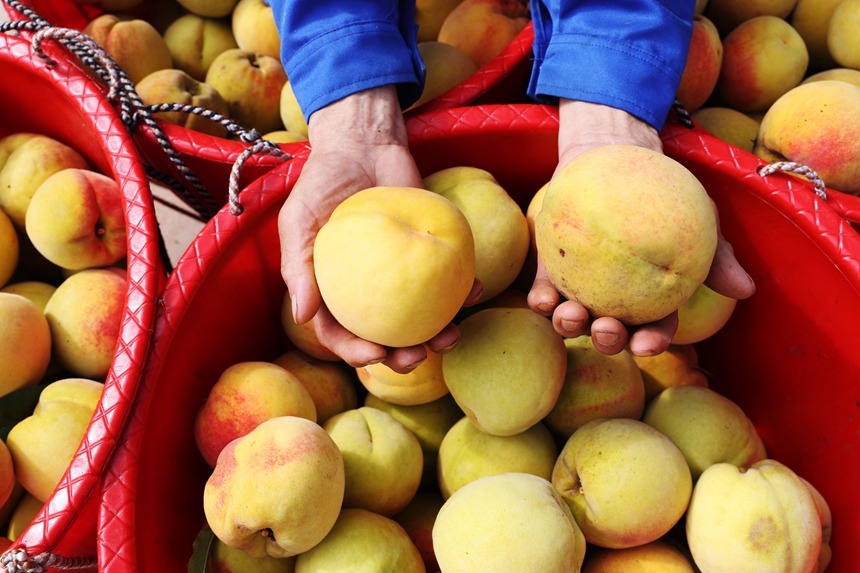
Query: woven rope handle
{"points": [[800, 169], [19, 561]]}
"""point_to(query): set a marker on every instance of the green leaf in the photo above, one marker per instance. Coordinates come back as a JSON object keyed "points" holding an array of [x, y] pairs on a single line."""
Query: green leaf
{"points": [[17, 405], [200, 557]]}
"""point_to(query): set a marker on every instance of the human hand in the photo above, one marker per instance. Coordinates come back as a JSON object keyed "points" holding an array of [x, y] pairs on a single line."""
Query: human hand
{"points": [[357, 142], [583, 126]]}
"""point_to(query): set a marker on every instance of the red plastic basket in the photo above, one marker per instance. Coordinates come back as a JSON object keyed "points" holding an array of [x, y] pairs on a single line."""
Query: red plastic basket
{"points": [[211, 159], [64, 103], [787, 355]]}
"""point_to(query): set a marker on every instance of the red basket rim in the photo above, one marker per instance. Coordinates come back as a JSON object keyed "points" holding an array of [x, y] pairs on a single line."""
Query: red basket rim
{"points": [[48, 531]]}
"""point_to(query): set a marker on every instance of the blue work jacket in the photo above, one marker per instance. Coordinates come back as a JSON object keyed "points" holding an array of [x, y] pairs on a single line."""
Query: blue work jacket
{"points": [[627, 54]]}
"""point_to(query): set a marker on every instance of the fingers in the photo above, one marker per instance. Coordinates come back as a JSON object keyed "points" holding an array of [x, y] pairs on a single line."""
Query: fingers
{"points": [[296, 240], [353, 350], [474, 295], [543, 297], [654, 338], [727, 276], [570, 319]]}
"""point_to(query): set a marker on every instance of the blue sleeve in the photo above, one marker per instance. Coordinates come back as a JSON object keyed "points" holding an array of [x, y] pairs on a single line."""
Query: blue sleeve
{"points": [[628, 54], [331, 48]]}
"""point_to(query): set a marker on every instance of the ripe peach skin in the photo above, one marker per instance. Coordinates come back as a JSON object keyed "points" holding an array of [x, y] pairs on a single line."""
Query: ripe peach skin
{"points": [[26, 160], [728, 125], [706, 426], [291, 112], [417, 521], [76, 220], [286, 520], [842, 41], [7, 474], [43, 444], [507, 522], [254, 28], [729, 14], [626, 483], [251, 85], [602, 247], [85, 314], [415, 254], [763, 58], [817, 125], [762, 518], [811, 19], [25, 343], [246, 394], [195, 41], [303, 336], [446, 66], [9, 249], [225, 559], [429, 15], [467, 454], [507, 370], [596, 385], [382, 458], [172, 85], [133, 43], [702, 69], [676, 366], [654, 557], [37, 292], [210, 8], [703, 315], [362, 541], [422, 385], [498, 225], [332, 385], [842, 74], [483, 28]]}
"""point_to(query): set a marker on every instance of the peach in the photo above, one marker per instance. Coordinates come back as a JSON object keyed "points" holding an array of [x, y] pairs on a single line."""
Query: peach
{"points": [[507, 370], [763, 58], [429, 422], [195, 41], [811, 19], [133, 43], [9, 249], [761, 518], [287, 520], [394, 265], [26, 510], [26, 160], [483, 28], [251, 85], [842, 74], [225, 559], [283, 136], [330, 384], [498, 225], [76, 220], [172, 85], [291, 112], [7, 474], [362, 541], [729, 14], [383, 461], [632, 243], [706, 426], [817, 125], [446, 66], [626, 483], [303, 336], [596, 385], [37, 291], [654, 557], [842, 40], [702, 69], [423, 384], [467, 453], [209, 8], [826, 518], [254, 28], [429, 15], [417, 520], [43, 444], [675, 366], [728, 125], [25, 343], [85, 313], [243, 396], [703, 315], [507, 522]]}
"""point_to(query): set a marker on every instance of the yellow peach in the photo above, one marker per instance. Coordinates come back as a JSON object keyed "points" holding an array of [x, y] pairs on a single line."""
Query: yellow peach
{"points": [[330, 384], [25, 343], [423, 384]]}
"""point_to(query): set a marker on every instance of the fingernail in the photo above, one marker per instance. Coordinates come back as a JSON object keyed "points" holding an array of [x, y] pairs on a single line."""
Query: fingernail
{"points": [[605, 338], [415, 365], [375, 361], [571, 325], [295, 306]]}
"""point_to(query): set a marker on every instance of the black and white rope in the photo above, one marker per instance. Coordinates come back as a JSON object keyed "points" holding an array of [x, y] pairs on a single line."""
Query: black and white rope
{"points": [[799, 169]]}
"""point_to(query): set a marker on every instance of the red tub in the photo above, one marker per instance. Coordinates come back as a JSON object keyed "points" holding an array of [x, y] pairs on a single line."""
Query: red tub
{"points": [[787, 355], [72, 108]]}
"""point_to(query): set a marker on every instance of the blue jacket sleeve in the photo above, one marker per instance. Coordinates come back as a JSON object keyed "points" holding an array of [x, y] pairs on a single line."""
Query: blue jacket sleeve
{"points": [[331, 48], [628, 54]]}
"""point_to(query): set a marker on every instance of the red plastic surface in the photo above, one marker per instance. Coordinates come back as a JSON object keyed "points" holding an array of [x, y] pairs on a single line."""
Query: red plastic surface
{"points": [[788, 355], [502, 80], [64, 103]]}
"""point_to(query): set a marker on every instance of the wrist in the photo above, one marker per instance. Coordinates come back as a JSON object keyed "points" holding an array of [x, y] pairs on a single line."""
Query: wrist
{"points": [[366, 118], [584, 125]]}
